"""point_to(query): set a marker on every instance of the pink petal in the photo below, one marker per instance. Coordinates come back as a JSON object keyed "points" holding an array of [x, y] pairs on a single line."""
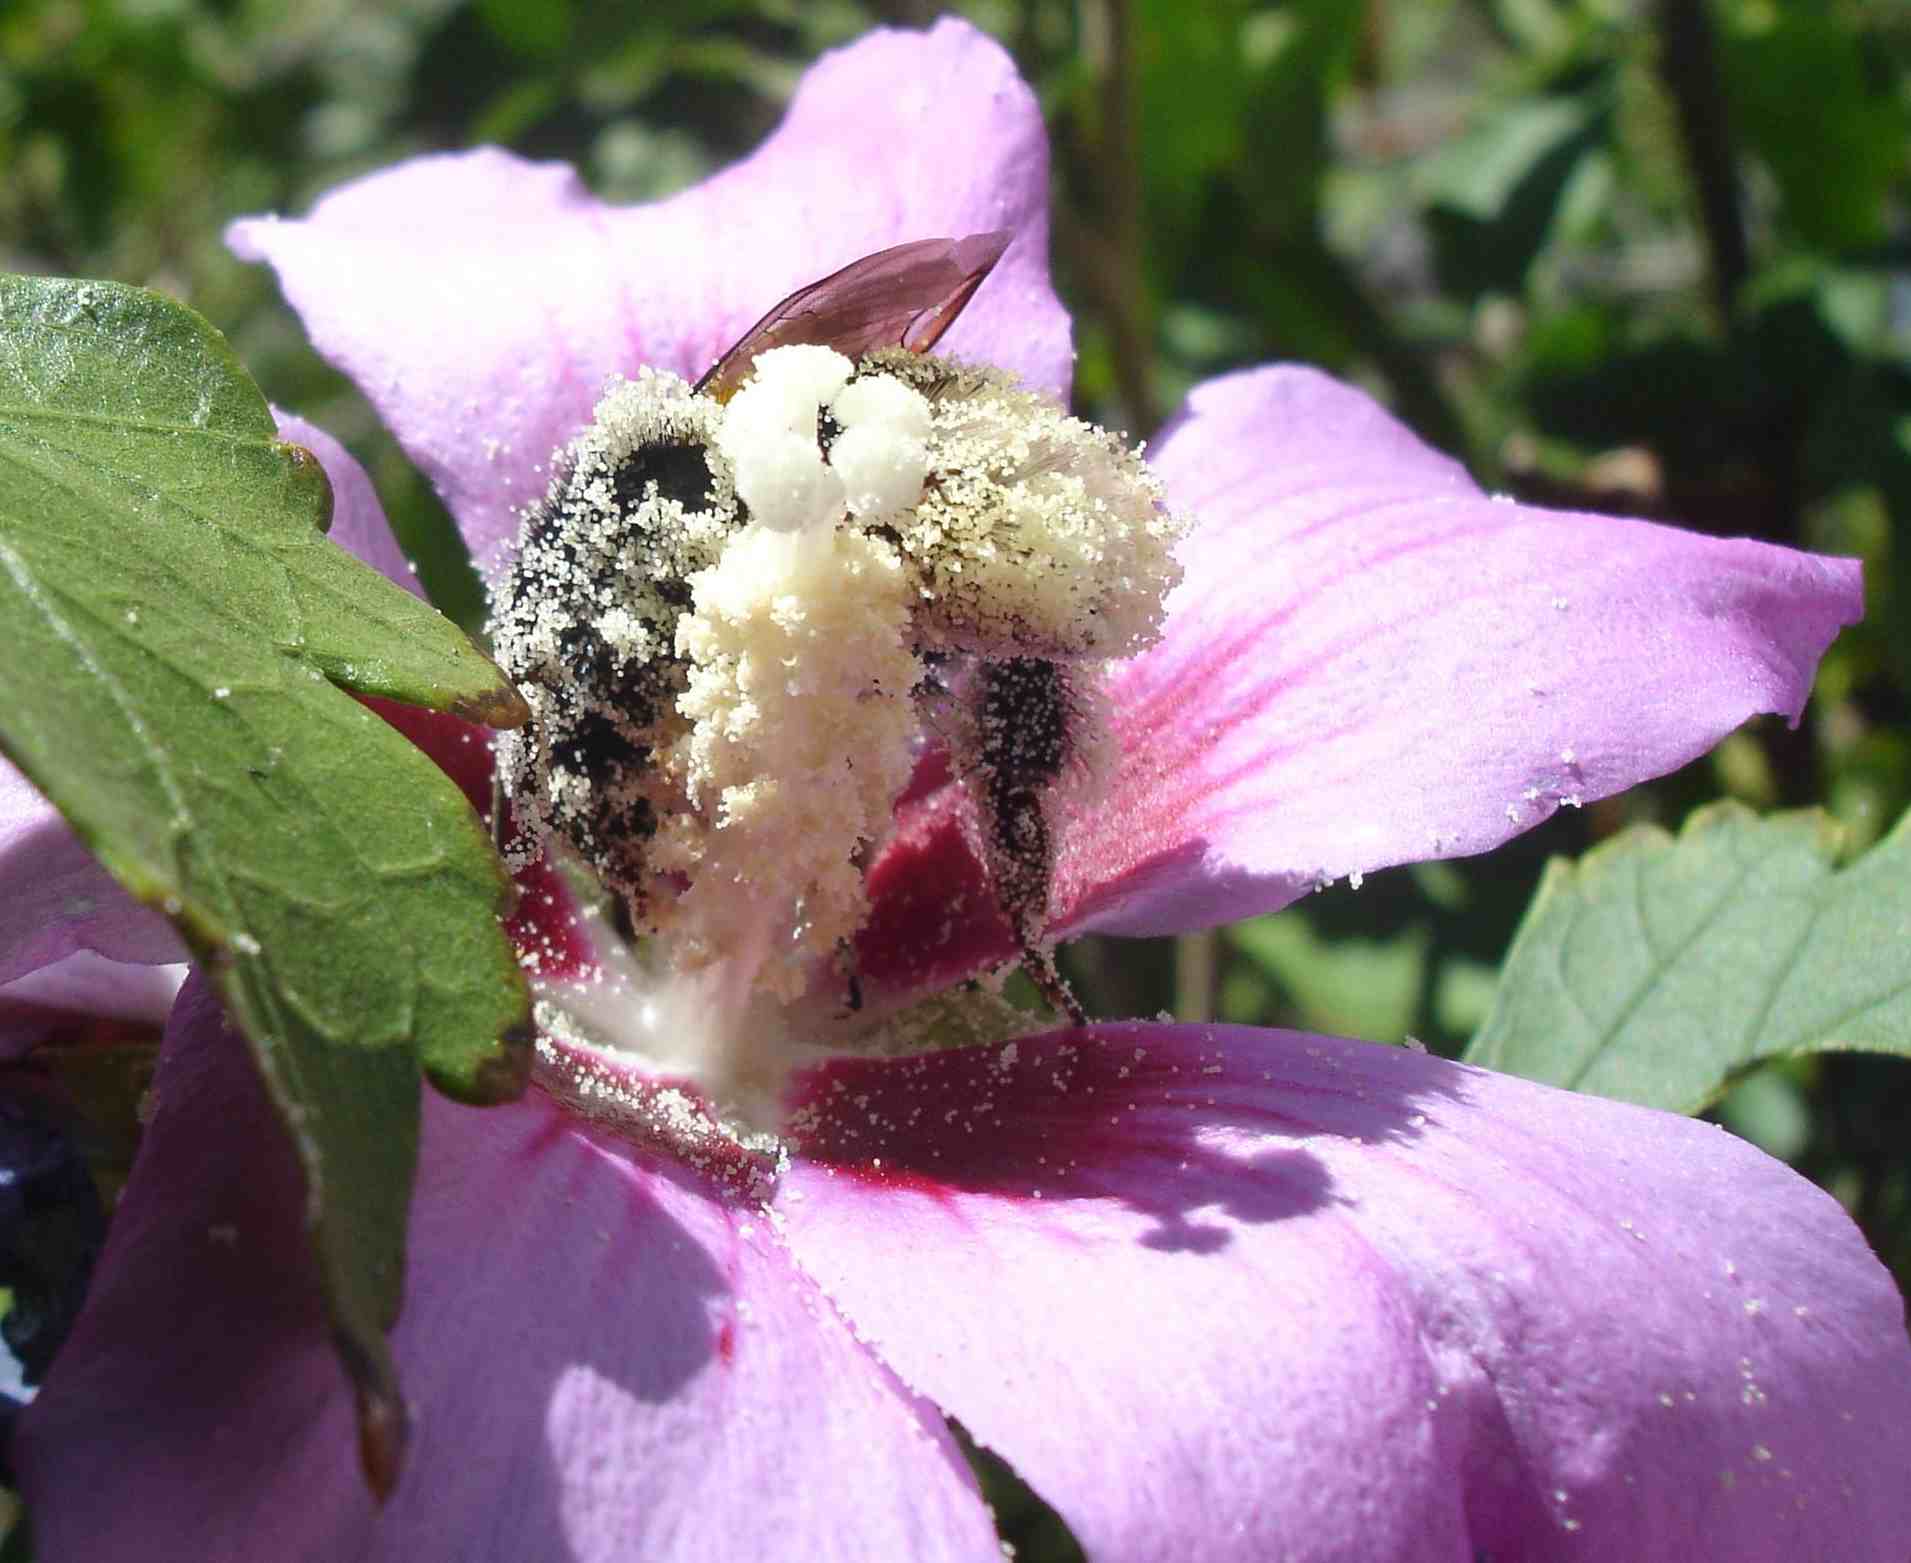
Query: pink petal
{"points": [[1230, 1294], [606, 1359], [358, 520], [1373, 663], [481, 301], [83, 987], [1369, 663], [55, 899]]}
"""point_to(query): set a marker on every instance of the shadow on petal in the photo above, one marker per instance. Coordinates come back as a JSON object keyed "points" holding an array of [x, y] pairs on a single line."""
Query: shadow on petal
{"points": [[1275, 1186], [1457, 1315], [1167, 1121]]}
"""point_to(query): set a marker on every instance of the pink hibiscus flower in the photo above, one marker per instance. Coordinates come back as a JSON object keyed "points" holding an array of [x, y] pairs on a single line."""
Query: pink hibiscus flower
{"points": [[1212, 1291]]}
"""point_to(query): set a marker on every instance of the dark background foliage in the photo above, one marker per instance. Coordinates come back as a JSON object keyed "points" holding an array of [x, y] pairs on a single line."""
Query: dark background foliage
{"points": [[1650, 256]]}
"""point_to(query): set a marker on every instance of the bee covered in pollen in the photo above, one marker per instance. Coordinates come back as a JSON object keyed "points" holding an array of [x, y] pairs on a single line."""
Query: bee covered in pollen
{"points": [[744, 607]]}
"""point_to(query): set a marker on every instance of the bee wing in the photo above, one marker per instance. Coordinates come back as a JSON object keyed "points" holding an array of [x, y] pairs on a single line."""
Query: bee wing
{"points": [[906, 296]]}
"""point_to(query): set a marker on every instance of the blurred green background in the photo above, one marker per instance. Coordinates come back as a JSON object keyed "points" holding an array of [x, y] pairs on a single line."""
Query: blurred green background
{"points": [[1642, 257]]}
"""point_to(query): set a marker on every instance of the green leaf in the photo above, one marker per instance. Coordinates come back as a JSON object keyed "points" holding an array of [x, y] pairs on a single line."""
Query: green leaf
{"points": [[1478, 173], [179, 634], [537, 28], [1354, 987], [1496, 193], [1657, 970], [1828, 122]]}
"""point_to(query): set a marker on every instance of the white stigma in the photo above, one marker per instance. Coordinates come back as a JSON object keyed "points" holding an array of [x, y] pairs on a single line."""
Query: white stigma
{"points": [[801, 670], [883, 451], [769, 438]]}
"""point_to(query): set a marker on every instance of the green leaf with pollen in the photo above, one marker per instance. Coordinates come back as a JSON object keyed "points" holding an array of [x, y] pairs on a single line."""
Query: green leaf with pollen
{"points": [[1656, 969], [179, 635]]}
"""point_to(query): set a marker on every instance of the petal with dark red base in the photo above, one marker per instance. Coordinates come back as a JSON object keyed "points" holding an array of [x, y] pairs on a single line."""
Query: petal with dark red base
{"points": [[1238, 1295]]}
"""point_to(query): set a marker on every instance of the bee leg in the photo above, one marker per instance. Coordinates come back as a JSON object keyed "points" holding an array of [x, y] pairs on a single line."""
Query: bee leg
{"points": [[851, 975], [1040, 966], [500, 834], [499, 812], [1024, 861], [1025, 725], [623, 918]]}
